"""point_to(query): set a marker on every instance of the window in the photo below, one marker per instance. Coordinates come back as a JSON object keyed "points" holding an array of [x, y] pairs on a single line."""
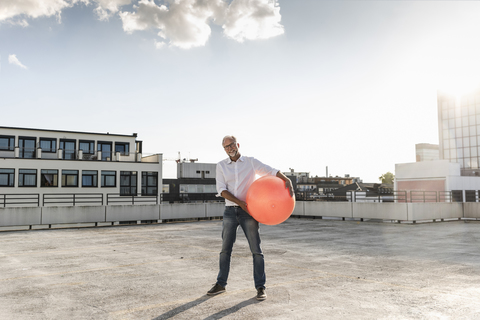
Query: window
{"points": [[109, 179], [27, 147], [48, 145], [446, 144], [122, 147], [7, 143], [470, 196], [27, 177], [69, 178], [106, 148], [128, 183], [49, 178], [89, 178], [68, 147], [7, 177], [166, 188], [149, 183], [87, 146]]}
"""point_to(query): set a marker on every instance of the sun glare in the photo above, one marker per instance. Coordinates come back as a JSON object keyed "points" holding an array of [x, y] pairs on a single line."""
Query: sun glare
{"points": [[460, 86]]}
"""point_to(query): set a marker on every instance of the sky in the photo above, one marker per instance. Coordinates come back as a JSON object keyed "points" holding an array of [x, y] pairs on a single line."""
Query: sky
{"points": [[302, 84]]}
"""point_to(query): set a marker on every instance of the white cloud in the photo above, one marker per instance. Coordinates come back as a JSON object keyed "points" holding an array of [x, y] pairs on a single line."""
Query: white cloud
{"points": [[107, 8], [252, 19], [186, 23], [12, 59], [10, 9], [181, 23]]}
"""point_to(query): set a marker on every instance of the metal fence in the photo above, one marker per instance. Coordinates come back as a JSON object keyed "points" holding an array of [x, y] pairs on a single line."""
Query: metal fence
{"points": [[72, 198], [190, 197], [28, 199], [397, 196], [131, 199]]}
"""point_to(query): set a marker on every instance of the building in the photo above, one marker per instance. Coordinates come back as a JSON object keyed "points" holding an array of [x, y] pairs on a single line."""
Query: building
{"points": [[310, 188], [455, 177], [363, 192], [427, 152], [195, 183], [52, 163], [459, 130]]}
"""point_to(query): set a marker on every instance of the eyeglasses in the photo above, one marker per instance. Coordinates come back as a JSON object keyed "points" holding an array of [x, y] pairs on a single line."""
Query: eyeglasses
{"points": [[231, 145]]}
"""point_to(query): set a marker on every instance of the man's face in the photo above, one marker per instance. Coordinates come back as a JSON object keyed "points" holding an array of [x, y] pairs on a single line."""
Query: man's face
{"points": [[230, 147]]}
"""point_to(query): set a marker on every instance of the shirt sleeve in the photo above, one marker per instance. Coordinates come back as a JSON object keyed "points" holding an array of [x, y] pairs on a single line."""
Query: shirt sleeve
{"points": [[262, 169], [220, 180]]}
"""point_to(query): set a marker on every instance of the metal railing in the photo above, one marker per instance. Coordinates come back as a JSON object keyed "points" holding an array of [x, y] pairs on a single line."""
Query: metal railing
{"points": [[133, 199], [423, 196], [395, 196], [72, 198], [190, 197], [20, 198]]}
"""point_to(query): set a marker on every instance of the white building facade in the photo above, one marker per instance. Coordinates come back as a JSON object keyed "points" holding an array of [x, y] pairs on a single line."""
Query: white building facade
{"points": [[51, 163]]}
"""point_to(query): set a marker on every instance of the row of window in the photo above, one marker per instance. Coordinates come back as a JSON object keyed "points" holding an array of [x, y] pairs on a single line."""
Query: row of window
{"points": [[467, 163], [467, 102], [461, 152], [89, 179], [461, 122], [461, 142], [461, 132], [27, 146]]}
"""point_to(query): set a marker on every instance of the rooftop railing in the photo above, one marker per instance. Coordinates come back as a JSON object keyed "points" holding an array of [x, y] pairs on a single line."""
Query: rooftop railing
{"points": [[75, 199], [72, 199], [24, 199], [113, 198], [396, 196]]}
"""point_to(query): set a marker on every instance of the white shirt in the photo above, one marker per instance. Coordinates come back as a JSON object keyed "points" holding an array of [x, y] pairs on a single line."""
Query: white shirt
{"points": [[236, 177]]}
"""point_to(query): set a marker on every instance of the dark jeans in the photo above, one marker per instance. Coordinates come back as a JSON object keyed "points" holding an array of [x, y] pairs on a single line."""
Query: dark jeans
{"points": [[232, 218]]}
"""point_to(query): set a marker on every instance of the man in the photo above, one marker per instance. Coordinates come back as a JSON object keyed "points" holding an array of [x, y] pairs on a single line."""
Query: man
{"points": [[234, 176]]}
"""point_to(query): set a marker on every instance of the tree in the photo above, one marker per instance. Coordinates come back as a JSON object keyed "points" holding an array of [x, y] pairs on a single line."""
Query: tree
{"points": [[387, 178]]}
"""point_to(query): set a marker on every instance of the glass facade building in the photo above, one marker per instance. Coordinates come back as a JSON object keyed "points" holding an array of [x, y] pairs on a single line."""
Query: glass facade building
{"points": [[459, 130]]}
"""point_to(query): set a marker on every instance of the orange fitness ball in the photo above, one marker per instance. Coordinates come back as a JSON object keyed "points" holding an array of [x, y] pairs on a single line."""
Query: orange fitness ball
{"points": [[269, 201]]}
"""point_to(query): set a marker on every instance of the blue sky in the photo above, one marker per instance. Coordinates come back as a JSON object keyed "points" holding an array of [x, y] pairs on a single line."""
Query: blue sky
{"points": [[346, 84]]}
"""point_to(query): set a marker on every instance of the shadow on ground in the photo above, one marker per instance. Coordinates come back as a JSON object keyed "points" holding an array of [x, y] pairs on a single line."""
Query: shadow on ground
{"points": [[220, 314]]}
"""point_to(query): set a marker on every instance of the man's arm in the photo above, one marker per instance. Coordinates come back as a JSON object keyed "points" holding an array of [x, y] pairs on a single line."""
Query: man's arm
{"points": [[288, 183], [227, 195]]}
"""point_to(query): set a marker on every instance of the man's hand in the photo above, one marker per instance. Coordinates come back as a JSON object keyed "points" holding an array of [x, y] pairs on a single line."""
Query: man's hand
{"points": [[243, 205], [288, 185]]}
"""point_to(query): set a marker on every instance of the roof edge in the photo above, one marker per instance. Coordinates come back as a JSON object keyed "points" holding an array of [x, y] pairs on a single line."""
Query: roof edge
{"points": [[69, 131]]}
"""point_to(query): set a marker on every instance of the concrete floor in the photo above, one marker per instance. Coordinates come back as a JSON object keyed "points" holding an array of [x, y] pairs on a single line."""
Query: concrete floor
{"points": [[316, 269]]}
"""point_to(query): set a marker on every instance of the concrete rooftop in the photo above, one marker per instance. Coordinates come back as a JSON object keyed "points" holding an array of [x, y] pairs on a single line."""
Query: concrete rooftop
{"points": [[316, 269]]}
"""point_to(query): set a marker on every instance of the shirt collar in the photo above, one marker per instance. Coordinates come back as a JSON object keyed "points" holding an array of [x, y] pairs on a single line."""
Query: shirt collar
{"points": [[239, 159]]}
